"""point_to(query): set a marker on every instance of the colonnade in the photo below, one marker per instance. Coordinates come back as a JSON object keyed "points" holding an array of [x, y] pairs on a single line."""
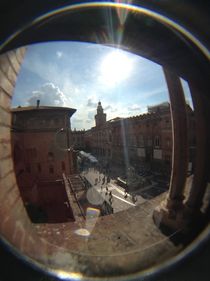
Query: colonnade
{"points": [[176, 211]]}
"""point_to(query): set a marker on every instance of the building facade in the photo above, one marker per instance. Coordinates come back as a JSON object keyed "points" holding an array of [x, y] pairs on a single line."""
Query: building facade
{"points": [[42, 152], [78, 139], [145, 140]]}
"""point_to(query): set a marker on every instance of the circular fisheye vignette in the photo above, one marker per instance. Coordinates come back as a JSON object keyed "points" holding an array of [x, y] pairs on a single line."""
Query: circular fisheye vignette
{"points": [[163, 20], [127, 7], [144, 275]]}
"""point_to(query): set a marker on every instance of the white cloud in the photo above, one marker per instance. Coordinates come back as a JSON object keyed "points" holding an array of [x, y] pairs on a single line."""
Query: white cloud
{"points": [[59, 54], [69, 88], [80, 83], [76, 120], [91, 103], [83, 118], [49, 95], [108, 108], [52, 72], [134, 107]]}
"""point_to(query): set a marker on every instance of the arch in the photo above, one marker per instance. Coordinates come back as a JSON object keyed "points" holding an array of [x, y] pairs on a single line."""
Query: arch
{"points": [[30, 244]]}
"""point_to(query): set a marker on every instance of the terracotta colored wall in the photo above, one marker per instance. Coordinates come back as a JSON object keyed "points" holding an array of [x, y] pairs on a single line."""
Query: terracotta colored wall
{"points": [[126, 135], [42, 143], [15, 227]]}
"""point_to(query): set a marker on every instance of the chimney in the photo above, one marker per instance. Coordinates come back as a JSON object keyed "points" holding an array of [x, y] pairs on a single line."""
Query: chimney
{"points": [[37, 103]]}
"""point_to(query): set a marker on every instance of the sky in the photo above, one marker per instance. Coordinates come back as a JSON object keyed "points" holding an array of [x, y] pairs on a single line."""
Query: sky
{"points": [[79, 75]]}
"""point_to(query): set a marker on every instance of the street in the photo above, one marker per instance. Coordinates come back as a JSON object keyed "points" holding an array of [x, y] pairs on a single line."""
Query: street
{"points": [[112, 193]]}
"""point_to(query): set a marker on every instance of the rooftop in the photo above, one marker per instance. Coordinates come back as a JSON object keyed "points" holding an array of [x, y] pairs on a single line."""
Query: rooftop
{"points": [[37, 108]]}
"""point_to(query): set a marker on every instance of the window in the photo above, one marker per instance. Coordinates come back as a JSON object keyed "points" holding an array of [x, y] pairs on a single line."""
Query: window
{"points": [[63, 166], [110, 136], [50, 156], [57, 121], [28, 168], [167, 158], [168, 142], [51, 170], [157, 141], [141, 140], [31, 153], [14, 118], [39, 168], [167, 122], [149, 141]]}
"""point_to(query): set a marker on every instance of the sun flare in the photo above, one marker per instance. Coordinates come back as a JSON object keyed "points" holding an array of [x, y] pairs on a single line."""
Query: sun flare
{"points": [[115, 67]]}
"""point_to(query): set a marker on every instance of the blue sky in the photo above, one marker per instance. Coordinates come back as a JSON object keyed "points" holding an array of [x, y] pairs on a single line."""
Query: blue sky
{"points": [[78, 75]]}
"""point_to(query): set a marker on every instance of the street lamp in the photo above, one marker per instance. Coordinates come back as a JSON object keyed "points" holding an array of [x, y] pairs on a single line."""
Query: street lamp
{"points": [[68, 148]]}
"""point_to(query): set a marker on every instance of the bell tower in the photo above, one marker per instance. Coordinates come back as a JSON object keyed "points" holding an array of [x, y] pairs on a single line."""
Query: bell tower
{"points": [[100, 117]]}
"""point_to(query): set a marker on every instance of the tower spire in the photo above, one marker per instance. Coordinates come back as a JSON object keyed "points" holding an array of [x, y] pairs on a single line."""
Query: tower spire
{"points": [[100, 117]]}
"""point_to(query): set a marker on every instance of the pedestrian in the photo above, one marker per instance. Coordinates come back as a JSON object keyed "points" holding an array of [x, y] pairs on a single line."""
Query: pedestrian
{"points": [[107, 189], [110, 198], [106, 207], [108, 179], [126, 194], [103, 181], [110, 194], [134, 199]]}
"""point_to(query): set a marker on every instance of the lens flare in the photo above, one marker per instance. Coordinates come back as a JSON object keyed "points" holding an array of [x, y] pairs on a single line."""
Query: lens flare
{"points": [[115, 68]]}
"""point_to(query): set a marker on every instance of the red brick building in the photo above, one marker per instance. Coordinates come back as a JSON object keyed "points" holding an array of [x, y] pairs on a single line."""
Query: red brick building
{"points": [[139, 140], [41, 144], [78, 139]]}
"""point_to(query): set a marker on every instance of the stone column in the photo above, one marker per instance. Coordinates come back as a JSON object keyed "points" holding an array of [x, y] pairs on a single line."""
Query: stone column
{"points": [[201, 170], [169, 211]]}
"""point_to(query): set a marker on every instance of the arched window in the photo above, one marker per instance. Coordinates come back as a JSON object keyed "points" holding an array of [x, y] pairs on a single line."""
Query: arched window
{"points": [[157, 141]]}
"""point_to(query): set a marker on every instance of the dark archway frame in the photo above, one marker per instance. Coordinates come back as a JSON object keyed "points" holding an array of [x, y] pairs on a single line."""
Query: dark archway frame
{"points": [[152, 48]]}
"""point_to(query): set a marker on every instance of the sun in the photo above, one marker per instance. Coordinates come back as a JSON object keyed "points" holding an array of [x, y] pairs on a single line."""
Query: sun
{"points": [[115, 67]]}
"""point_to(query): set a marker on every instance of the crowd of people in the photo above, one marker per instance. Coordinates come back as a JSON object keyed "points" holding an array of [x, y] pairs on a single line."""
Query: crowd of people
{"points": [[103, 179]]}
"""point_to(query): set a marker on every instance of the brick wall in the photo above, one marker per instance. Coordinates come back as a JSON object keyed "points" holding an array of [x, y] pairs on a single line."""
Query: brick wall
{"points": [[15, 227]]}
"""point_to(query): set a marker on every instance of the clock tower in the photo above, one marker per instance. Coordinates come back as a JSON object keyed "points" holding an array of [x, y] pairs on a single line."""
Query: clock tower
{"points": [[100, 117]]}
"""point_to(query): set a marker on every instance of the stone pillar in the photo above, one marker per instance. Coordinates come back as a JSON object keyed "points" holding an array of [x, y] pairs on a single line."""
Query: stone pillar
{"points": [[201, 170], [169, 213]]}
